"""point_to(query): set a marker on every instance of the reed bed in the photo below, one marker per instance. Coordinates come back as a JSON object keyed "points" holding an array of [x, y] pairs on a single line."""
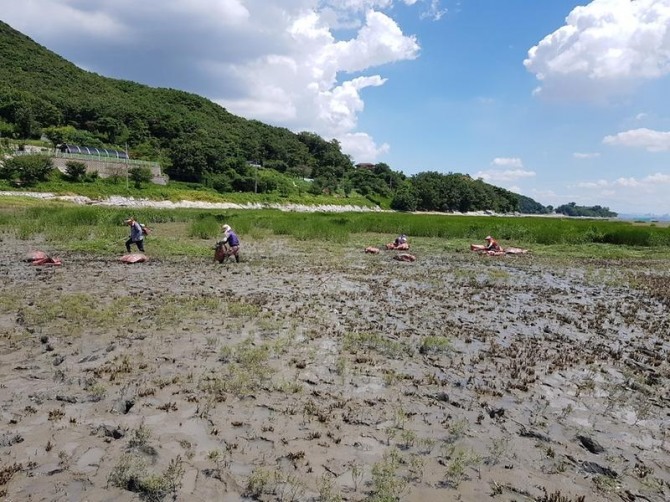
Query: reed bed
{"points": [[92, 228]]}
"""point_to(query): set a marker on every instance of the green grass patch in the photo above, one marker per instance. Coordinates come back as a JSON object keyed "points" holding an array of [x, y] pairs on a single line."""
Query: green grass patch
{"points": [[357, 342], [192, 232]]}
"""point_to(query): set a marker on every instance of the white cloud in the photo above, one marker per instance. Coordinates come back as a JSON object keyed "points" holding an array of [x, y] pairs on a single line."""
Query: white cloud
{"points": [[361, 146], [543, 194], [627, 182], [434, 10], [645, 194], [652, 141], [378, 42], [647, 182], [507, 162], [278, 62], [658, 178], [359, 5], [593, 184], [580, 155], [605, 48], [504, 176], [300, 90]]}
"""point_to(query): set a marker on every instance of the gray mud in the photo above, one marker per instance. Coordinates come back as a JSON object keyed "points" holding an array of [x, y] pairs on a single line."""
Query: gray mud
{"points": [[306, 374]]}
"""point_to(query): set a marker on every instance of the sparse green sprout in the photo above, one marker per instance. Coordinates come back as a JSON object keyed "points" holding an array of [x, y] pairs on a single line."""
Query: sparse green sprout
{"points": [[327, 489], [140, 436], [97, 392], [435, 345], [356, 474], [458, 461], [260, 482], [387, 483]]}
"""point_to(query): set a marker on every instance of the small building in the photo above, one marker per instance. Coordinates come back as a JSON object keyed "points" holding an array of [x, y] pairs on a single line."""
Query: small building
{"points": [[104, 161]]}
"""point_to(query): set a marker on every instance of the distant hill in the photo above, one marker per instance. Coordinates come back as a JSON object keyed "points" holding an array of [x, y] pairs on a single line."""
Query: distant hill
{"points": [[572, 209], [193, 135], [196, 140], [529, 206]]}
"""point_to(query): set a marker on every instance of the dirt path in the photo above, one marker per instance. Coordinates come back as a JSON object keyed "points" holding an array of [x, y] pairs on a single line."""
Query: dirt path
{"points": [[305, 375]]}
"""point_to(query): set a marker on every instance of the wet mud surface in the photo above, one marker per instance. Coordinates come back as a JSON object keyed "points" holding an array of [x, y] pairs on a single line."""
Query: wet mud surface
{"points": [[310, 374]]}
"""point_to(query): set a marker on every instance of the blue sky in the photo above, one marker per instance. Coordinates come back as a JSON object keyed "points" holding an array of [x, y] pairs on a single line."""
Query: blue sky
{"points": [[562, 101]]}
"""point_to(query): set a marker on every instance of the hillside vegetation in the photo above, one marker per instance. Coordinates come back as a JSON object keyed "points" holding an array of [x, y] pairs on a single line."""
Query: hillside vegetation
{"points": [[43, 95]]}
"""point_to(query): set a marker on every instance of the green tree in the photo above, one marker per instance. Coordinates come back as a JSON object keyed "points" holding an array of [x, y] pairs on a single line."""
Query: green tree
{"points": [[26, 126], [428, 188], [572, 209], [59, 135], [405, 198], [6, 129], [189, 162], [26, 170], [110, 129], [140, 175], [75, 170]]}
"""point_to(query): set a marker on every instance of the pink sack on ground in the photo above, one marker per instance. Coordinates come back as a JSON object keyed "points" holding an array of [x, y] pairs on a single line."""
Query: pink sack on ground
{"points": [[134, 258], [41, 258], [398, 247], [31, 256]]}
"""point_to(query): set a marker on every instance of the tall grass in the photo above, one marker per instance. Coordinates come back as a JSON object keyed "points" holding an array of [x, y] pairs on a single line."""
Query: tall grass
{"points": [[204, 227], [94, 227]]}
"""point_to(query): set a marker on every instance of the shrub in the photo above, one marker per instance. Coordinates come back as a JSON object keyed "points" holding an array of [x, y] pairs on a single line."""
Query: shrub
{"points": [[75, 170], [204, 228], [26, 170], [131, 474], [140, 175]]}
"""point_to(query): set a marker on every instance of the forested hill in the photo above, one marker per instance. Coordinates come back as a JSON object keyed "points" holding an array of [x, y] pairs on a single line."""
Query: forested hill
{"points": [[40, 90], [196, 140]]}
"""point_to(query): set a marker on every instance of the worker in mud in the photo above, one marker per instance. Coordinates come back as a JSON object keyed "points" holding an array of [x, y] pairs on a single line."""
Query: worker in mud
{"points": [[492, 244], [230, 244], [400, 243], [401, 239], [136, 235]]}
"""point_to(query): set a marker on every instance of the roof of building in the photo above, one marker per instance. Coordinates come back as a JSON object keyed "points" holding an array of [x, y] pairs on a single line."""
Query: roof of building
{"points": [[92, 150]]}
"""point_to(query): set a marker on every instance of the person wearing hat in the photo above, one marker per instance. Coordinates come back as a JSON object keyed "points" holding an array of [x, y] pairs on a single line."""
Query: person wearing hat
{"points": [[136, 235], [401, 243], [400, 240], [230, 243], [492, 244]]}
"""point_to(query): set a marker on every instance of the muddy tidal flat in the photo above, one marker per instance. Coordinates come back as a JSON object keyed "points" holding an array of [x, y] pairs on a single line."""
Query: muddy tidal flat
{"points": [[312, 374]]}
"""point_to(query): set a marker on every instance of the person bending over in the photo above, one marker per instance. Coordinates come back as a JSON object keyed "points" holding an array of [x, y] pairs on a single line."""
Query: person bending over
{"points": [[492, 244], [230, 243]]}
